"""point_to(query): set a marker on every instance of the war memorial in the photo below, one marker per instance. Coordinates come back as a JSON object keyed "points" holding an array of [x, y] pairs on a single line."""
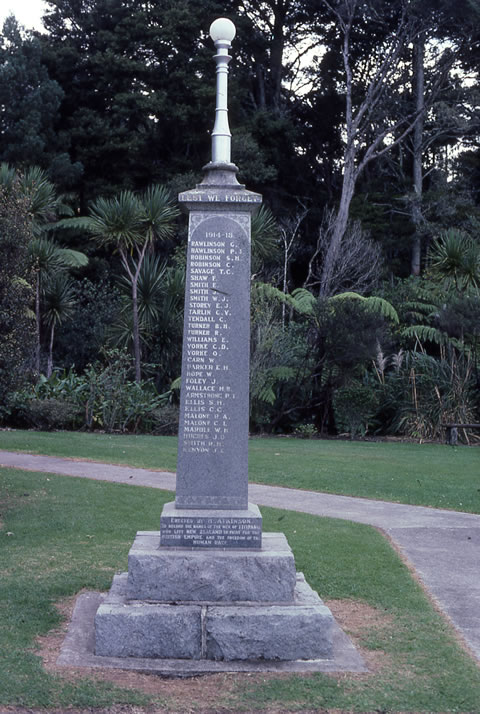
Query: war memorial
{"points": [[211, 585]]}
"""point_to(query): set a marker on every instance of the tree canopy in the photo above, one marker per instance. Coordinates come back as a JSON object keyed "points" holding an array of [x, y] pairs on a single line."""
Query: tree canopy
{"points": [[358, 121]]}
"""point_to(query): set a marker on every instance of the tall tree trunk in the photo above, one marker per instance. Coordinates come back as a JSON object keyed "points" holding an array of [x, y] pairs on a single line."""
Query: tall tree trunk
{"points": [[339, 227], [37, 322], [50, 351], [350, 172], [134, 276], [136, 333], [276, 53], [418, 59]]}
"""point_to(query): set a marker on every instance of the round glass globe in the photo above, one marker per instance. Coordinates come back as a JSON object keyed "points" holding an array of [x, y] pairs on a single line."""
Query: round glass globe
{"points": [[222, 29]]}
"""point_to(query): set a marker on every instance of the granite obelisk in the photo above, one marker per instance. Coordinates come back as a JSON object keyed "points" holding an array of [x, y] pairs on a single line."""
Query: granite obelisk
{"points": [[210, 585], [212, 471]]}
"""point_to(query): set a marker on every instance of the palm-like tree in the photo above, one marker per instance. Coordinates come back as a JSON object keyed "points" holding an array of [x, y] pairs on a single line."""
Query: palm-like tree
{"points": [[130, 224], [58, 307], [161, 292], [455, 256], [150, 289], [264, 234], [41, 196], [42, 201], [47, 260]]}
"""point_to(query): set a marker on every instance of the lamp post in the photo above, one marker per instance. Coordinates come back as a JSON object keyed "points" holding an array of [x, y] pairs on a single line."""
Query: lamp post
{"points": [[222, 32]]}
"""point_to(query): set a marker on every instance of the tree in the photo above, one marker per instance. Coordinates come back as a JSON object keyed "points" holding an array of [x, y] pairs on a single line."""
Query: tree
{"points": [[59, 304], [45, 257], [41, 203], [138, 106], [30, 101], [16, 319], [47, 260], [444, 31], [355, 265], [161, 291], [384, 102], [369, 121], [130, 224]]}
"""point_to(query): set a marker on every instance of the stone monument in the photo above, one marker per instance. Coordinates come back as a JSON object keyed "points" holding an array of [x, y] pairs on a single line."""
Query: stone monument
{"points": [[211, 585]]}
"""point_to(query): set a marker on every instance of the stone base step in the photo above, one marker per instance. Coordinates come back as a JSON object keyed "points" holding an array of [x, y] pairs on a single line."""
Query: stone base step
{"points": [[169, 574], [299, 630]]}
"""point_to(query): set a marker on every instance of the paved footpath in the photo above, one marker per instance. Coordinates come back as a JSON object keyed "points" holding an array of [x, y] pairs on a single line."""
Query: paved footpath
{"points": [[443, 547]]}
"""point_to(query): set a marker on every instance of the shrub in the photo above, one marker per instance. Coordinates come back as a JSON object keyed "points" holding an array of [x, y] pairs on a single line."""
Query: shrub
{"points": [[426, 392], [50, 414], [165, 420], [105, 397], [305, 431], [354, 406]]}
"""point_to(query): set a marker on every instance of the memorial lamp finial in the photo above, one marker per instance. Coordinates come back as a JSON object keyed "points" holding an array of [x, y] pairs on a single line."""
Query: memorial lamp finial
{"points": [[222, 32]]}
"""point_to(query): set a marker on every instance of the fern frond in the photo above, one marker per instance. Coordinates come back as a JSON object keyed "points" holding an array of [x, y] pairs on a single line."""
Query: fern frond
{"points": [[425, 333], [265, 392], [347, 296], [377, 304], [424, 308], [304, 300], [382, 306], [282, 373], [265, 290], [176, 384]]}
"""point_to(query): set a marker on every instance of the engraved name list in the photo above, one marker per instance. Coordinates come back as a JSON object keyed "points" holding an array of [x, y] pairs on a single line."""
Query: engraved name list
{"points": [[214, 407]]}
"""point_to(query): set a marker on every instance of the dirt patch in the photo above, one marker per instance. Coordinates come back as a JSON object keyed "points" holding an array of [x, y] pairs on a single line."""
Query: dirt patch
{"points": [[49, 650], [206, 694], [359, 621]]}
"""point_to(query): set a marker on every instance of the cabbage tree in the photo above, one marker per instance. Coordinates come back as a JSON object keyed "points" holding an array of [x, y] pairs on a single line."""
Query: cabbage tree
{"points": [[47, 260], [129, 224]]}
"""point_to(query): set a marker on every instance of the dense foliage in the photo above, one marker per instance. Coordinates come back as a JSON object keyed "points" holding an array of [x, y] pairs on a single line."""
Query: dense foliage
{"points": [[16, 321], [359, 122]]}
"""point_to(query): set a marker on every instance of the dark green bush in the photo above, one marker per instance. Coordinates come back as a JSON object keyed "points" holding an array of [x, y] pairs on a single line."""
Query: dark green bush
{"points": [[165, 420], [105, 397], [354, 406], [51, 414]]}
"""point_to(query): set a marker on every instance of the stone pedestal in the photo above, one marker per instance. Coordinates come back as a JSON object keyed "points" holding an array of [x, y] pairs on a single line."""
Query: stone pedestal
{"points": [[213, 604], [183, 575]]}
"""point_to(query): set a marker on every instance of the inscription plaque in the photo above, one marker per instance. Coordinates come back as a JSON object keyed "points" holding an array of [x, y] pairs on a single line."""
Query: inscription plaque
{"points": [[220, 529]]}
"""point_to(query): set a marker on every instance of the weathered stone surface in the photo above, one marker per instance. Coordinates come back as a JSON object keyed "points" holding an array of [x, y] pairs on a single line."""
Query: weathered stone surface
{"points": [[210, 529], [145, 629], [271, 633], [213, 432], [299, 630], [180, 575], [212, 455], [79, 646]]}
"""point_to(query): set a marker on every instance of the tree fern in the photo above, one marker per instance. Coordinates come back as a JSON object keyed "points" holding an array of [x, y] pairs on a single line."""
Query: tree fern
{"points": [[264, 389], [377, 304], [304, 300], [425, 333], [270, 292]]}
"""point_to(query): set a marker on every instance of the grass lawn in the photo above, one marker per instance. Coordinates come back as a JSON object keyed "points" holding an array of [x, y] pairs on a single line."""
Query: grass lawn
{"points": [[59, 535], [419, 474]]}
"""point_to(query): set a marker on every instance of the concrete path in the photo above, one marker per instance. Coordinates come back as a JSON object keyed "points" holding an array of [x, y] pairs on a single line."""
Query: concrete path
{"points": [[443, 547]]}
